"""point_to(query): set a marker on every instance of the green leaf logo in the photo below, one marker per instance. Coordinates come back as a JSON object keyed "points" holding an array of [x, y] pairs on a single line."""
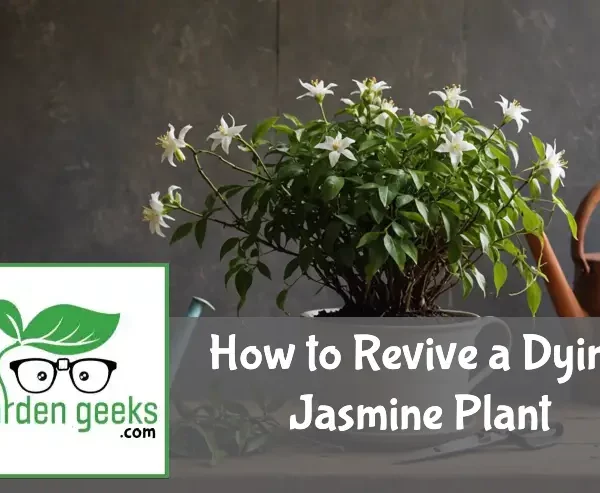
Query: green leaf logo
{"points": [[60, 329], [10, 320]]}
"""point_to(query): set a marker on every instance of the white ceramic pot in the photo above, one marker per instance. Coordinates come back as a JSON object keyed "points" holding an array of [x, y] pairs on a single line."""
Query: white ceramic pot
{"points": [[416, 387]]}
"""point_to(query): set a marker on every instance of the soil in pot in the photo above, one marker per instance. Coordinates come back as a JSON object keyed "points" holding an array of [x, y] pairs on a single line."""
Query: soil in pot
{"points": [[367, 311]]}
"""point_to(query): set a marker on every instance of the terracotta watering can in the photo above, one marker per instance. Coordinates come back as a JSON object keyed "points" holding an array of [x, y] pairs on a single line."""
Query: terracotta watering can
{"points": [[583, 300]]}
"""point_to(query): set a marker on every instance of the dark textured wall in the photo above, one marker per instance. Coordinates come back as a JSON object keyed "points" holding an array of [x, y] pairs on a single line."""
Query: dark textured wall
{"points": [[88, 85]]}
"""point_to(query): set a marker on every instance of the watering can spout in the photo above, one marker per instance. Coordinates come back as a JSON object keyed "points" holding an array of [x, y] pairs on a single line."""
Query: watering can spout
{"points": [[197, 306], [180, 337]]}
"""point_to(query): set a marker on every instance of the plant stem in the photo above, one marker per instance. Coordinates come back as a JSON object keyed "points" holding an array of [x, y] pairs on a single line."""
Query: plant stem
{"points": [[229, 163], [323, 112], [214, 188], [262, 164], [189, 211], [240, 229]]}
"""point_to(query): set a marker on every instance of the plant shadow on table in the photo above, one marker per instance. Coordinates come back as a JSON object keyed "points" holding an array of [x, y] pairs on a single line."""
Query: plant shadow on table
{"points": [[223, 428]]}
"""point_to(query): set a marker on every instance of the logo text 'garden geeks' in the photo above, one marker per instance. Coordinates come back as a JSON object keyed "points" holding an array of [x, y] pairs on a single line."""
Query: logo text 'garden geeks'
{"points": [[64, 334]]}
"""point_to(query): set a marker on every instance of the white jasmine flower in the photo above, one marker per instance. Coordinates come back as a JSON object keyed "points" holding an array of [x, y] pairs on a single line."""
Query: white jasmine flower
{"points": [[554, 162], [155, 215], [513, 111], [316, 89], [382, 118], [455, 145], [422, 120], [451, 95], [370, 85], [225, 134], [172, 145], [347, 101], [176, 198], [337, 147]]}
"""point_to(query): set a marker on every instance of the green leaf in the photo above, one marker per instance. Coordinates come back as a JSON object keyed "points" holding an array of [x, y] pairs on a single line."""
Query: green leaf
{"points": [[509, 247], [418, 137], [402, 200], [209, 203], [181, 232], [532, 221], [485, 241], [283, 129], [368, 186], [347, 219], [305, 257], [399, 230], [422, 208], [376, 213], [367, 144], [368, 238], [293, 119], [486, 210], [236, 408], [500, 276], [280, 300], [377, 256], [418, 178], [467, 284], [535, 190], [256, 443], [290, 170], [480, 279], [11, 322], [227, 246], [200, 231], [263, 127], [331, 187], [263, 269], [450, 205], [384, 195], [248, 198], [539, 147], [534, 297], [290, 268], [394, 248], [572, 223], [475, 191], [69, 329], [455, 250], [505, 189], [437, 166], [447, 226], [503, 159], [393, 171], [410, 249], [413, 216], [243, 281], [514, 150]]}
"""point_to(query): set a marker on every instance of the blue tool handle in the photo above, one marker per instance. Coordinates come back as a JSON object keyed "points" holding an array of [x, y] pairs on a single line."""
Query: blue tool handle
{"points": [[180, 338]]}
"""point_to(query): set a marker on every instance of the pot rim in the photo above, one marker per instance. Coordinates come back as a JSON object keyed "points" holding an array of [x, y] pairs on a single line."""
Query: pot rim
{"points": [[472, 319]]}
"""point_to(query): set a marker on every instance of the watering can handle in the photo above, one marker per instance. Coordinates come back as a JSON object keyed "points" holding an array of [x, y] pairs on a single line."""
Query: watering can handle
{"points": [[582, 217]]}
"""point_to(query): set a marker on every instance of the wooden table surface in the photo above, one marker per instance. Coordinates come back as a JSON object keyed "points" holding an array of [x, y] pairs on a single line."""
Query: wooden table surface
{"points": [[573, 465]]}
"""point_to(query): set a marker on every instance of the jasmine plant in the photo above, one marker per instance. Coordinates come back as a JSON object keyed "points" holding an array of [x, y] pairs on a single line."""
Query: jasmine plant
{"points": [[388, 210]]}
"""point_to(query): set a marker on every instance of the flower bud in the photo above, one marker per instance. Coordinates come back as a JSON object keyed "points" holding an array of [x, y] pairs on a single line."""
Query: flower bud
{"points": [[179, 155]]}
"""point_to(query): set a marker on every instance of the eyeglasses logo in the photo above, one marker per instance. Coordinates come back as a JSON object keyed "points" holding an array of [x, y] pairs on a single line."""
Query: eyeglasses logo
{"points": [[63, 330], [37, 375]]}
